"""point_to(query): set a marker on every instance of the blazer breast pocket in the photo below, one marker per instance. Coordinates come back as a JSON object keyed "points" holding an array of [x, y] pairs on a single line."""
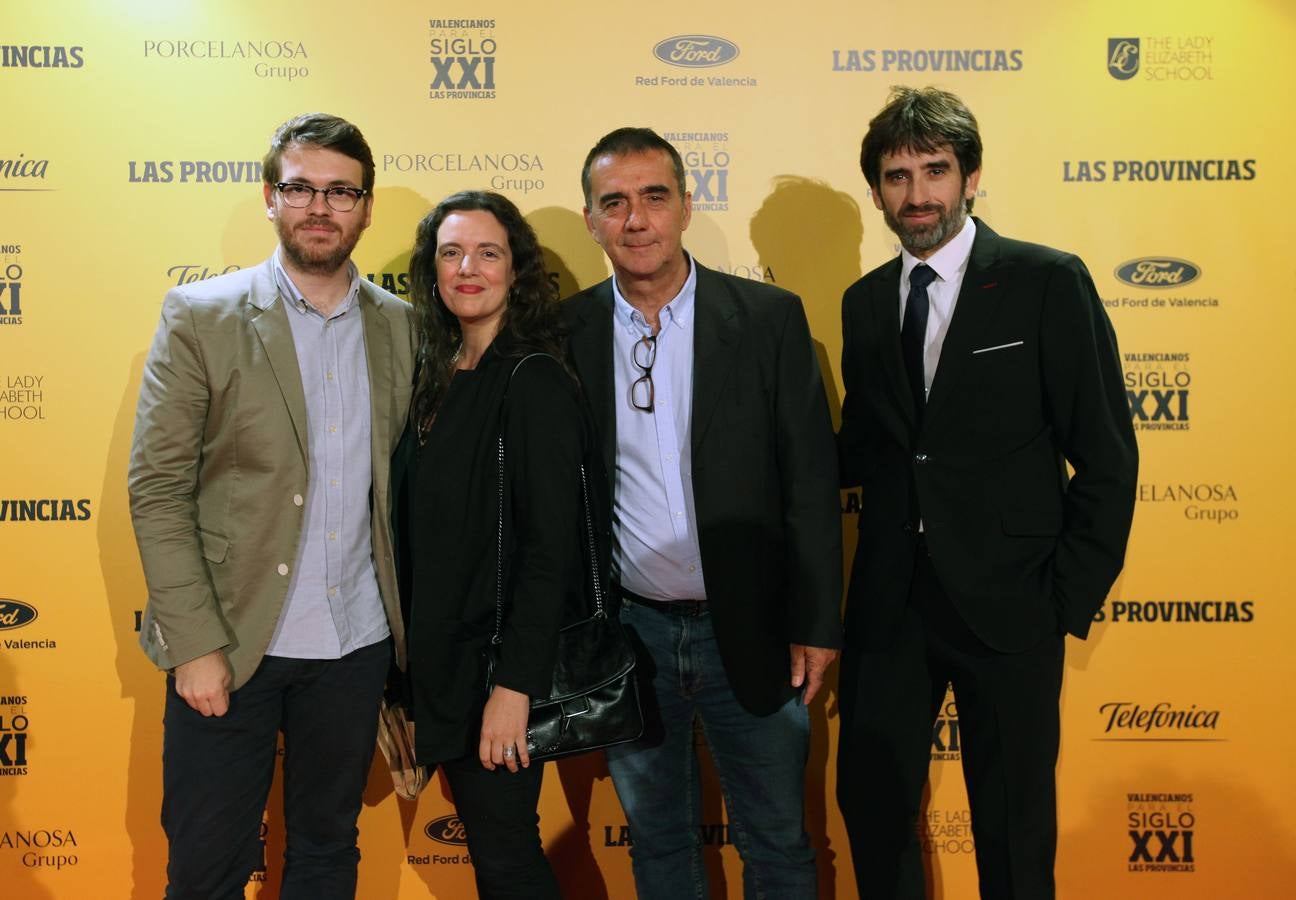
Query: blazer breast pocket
{"points": [[1003, 347]]}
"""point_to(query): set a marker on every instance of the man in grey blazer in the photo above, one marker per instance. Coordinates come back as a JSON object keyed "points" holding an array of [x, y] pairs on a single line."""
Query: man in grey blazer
{"points": [[271, 401]]}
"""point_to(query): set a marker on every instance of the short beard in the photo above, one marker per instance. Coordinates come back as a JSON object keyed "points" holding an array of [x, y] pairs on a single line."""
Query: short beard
{"points": [[927, 237], [314, 265]]}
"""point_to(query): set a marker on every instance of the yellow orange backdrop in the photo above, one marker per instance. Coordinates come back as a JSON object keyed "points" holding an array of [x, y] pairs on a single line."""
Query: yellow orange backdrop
{"points": [[1150, 138]]}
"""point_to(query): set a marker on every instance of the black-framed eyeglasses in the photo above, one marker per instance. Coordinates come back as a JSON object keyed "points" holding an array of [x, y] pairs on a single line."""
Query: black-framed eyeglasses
{"points": [[300, 196], [644, 354]]}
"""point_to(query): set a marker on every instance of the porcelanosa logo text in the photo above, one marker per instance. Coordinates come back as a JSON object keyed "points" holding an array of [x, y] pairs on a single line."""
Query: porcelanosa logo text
{"points": [[41, 848], [696, 51], [280, 59], [1201, 501], [1163, 721], [506, 171]]}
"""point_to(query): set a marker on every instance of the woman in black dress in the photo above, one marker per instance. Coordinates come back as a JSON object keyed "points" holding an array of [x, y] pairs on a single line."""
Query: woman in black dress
{"points": [[484, 303]]}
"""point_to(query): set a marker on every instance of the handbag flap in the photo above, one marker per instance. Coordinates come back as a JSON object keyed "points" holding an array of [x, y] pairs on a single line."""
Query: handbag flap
{"points": [[591, 652]]}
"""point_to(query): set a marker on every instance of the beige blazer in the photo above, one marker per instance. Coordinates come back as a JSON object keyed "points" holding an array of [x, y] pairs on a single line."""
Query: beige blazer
{"points": [[218, 467]]}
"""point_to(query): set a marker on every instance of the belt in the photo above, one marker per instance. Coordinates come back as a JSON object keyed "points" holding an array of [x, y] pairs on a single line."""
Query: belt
{"points": [[690, 608]]}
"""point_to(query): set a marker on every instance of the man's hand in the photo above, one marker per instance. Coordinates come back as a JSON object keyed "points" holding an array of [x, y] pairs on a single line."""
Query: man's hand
{"points": [[808, 667], [503, 733], [204, 682]]}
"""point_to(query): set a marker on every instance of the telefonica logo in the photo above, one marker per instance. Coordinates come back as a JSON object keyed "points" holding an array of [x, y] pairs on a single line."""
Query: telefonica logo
{"points": [[696, 51], [447, 830], [15, 614], [1157, 272]]}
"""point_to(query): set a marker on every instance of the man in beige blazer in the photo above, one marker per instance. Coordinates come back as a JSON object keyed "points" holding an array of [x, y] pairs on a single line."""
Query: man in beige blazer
{"points": [[271, 402]]}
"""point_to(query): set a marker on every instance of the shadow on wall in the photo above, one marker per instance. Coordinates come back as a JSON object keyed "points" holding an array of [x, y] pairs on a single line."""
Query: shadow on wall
{"points": [[571, 256], [807, 238], [141, 683]]}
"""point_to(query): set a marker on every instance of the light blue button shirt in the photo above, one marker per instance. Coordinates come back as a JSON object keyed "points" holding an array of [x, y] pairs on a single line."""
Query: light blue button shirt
{"points": [[656, 552], [333, 605]]}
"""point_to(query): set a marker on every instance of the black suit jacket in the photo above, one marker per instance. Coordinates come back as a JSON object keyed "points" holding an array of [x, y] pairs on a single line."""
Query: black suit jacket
{"points": [[1029, 379], [769, 520]]}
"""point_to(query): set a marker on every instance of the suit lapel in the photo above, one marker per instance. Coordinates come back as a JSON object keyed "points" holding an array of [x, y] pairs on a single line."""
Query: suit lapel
{"points": [[269, 318], [379, 359], [978, 304], [885, 304], [591, 346], [716, 333]]}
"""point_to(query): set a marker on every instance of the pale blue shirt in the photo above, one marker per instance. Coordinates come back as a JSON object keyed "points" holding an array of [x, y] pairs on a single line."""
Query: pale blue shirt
{"points": [[656, 550], [333, 605]]}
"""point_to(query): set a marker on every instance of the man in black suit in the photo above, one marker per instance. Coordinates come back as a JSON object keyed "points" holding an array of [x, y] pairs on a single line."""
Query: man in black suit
{"points": [[976, 368], [716, 434]]}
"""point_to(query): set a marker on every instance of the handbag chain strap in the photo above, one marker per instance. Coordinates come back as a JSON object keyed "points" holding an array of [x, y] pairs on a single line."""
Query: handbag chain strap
{"points": [[595, 573]]}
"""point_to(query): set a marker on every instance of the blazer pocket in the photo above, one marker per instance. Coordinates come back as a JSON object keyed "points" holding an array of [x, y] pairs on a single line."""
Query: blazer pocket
{"points": [[1032, 523], [214, 547]]}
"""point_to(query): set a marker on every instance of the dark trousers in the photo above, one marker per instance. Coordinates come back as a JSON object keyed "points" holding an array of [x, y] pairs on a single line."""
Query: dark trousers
{"points": [[498, 812], [217, 770], [1008, 723]]}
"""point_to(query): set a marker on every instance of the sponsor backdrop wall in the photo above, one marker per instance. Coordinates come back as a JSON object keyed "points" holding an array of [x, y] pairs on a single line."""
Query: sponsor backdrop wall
{"points": [[1150, 138]]}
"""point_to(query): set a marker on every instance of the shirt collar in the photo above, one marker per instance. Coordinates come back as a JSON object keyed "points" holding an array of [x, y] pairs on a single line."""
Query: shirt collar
{"points": [[678, 312], [298, 301], [949, 262]]}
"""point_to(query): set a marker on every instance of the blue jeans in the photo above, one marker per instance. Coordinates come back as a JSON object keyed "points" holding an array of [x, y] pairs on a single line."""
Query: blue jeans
{"points": [[760, 760]]}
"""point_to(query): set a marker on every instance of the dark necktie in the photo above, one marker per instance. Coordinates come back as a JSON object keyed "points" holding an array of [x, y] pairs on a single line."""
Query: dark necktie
{"points": [[913, 331]]}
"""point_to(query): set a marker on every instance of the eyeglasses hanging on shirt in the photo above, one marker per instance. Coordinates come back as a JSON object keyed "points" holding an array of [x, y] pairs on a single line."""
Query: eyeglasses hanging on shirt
{"points": [[644, 354]]}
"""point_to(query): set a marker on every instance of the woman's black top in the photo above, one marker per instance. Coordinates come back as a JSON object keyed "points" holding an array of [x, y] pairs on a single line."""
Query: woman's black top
{"points": [[452, 504]]}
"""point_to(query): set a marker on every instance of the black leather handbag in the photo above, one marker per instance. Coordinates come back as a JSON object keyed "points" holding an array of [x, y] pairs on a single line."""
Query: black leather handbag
{"points": [[594, 698]]}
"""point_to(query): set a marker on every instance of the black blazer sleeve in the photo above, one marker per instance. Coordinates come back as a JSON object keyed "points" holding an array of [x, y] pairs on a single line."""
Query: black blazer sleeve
{"points": [[807, 465], [1086, 403], [542, 457]]}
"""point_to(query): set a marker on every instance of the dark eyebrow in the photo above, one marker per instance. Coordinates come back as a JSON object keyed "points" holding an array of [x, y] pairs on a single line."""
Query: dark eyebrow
{"points": [[930, 164], [337, 182], [655, 189]]}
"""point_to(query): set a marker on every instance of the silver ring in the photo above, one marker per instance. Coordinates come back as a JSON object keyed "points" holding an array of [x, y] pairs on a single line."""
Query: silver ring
{"points": [[509, 751]]}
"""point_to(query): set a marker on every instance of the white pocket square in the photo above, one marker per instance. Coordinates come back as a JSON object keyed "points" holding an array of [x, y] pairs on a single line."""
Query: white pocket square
{"points": [[998, 347]]}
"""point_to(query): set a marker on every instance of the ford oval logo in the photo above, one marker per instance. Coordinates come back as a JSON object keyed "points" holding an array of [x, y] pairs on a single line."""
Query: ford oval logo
{"points": [[696, 51], [15, 614], [1157, 272], [447, 830]]}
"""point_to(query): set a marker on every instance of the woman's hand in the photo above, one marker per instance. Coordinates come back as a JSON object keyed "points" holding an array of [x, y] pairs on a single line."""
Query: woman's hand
{"points": [[503, 729]]}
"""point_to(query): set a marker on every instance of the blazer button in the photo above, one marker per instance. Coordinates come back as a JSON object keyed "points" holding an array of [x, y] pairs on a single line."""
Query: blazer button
{"points": [[297, 501], [921, 458], [283, 569]]}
